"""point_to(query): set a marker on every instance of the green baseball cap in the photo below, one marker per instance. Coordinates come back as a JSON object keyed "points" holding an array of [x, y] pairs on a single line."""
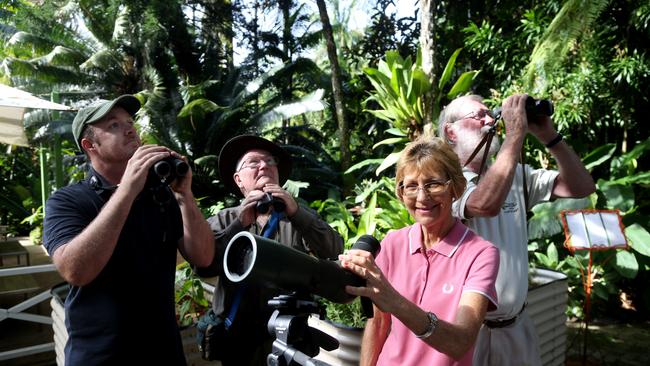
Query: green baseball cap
{"points": [[96, 111]]}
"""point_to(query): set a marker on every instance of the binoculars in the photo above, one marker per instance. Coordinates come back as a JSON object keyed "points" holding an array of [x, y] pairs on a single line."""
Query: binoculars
{"points": [[170, 168], [534, 108], [264, 205], [538, 107], [161, 174]]}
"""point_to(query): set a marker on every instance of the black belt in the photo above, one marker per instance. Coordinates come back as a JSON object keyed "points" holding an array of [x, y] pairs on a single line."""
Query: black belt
{"points": [[502, 323]]}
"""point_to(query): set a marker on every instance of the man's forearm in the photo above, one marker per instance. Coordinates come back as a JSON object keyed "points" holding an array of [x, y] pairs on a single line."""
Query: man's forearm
{"points": [[198, 241], [574, 180], [494, 185]]}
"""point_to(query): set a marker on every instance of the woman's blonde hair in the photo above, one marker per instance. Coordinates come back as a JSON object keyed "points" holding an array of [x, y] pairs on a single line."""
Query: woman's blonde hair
{"points": [[430, 155]]}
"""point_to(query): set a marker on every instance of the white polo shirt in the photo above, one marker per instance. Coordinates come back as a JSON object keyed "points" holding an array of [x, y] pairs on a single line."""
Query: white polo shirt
{"points": [[509, 233]]}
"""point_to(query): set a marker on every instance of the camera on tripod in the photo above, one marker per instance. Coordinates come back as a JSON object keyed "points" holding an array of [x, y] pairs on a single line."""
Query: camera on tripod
{"points": [[267, 201], [538, 107]]}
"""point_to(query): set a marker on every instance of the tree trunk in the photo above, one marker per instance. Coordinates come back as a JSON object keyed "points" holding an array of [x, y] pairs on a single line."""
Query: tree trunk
{"points": [[429, 64], [337, 89], [286, 93]]}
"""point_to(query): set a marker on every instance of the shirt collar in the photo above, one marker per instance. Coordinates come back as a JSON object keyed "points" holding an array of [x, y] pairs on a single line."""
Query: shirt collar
{"points": [[447, 245]]}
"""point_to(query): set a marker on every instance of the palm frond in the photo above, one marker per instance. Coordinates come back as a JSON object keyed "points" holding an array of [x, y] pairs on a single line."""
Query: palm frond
{"points": [[574, 18]]}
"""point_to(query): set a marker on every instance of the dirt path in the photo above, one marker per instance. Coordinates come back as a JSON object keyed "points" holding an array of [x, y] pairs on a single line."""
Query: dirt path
{"points": [[610, 343]]}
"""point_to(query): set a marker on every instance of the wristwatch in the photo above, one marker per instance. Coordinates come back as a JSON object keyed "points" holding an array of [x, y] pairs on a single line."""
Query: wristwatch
{"points": [[431, 327]]}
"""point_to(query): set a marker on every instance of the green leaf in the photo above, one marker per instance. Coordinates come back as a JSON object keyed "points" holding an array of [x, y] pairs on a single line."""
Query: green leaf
{"points": [[641, 178], [618, 196], [391, 141], [312, 102], [201, 105], [599, 156], [367, 221], [449, 68], [388, 162], [629, 159], [545, 221], [463, 84], [626, 264], [383, 114], [396, 132], [638, 238], [360, 165], [552, 254]]}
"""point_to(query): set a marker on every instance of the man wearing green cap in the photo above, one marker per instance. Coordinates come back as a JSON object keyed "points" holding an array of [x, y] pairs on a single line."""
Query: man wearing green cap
{"points": [[115, 241]]}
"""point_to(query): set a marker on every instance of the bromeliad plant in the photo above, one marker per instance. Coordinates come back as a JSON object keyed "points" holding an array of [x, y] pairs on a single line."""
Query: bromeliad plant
{"points": [[399, 89]]}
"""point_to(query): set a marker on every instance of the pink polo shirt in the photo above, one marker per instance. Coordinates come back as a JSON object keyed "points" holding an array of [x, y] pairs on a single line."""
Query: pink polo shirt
{"points": [[435, 281]]}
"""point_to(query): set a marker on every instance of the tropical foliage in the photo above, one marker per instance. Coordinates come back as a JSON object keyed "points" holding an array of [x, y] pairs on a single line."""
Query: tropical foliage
{"points": [[209, 70]]}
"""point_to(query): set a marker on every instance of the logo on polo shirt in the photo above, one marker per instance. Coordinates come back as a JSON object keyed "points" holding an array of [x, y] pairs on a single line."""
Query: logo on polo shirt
{"points": [[509, 207]]}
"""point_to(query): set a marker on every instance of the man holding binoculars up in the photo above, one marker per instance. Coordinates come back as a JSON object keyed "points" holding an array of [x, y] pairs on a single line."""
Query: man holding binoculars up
{"points": [[254, 168], [495, 207], [114, 238]]}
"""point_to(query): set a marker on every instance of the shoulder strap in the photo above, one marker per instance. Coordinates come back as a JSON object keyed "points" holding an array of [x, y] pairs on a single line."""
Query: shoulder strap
{"points": [[486, 141]]}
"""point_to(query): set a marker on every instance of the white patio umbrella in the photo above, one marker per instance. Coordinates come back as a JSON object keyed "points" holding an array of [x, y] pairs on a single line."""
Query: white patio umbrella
{"points": [[13, 103]]}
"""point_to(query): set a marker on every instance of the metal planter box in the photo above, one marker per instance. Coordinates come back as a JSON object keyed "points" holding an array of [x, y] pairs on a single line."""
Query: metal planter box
{"points": [[547, 303]]}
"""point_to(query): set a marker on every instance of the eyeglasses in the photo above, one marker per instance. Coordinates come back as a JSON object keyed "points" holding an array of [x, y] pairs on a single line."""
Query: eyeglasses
{"points": [[477, 115], [255, 163], [432, 188]]}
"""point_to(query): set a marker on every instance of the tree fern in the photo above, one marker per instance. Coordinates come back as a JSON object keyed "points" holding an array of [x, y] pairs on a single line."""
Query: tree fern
{"points": [[574, 18]]}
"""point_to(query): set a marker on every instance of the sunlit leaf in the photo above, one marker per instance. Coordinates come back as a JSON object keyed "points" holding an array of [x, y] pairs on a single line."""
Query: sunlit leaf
{"points": [[388, 162], [626, 264], [638, 238]]}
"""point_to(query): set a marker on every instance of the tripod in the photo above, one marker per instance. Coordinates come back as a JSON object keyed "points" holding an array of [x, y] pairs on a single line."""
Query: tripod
{"points": [[295, 341]]}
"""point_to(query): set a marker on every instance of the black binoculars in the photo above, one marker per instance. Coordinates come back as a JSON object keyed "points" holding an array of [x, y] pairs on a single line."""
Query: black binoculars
{"points": [[169, 169], [538, 107], [265, 203], [534, 109], [161, 174]]}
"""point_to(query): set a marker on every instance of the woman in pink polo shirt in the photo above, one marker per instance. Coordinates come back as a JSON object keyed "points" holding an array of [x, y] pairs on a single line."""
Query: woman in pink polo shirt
{"points": [[433, 281]]}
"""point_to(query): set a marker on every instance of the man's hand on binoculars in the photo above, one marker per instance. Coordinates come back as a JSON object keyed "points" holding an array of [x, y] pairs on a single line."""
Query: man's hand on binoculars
{"points": [[279, 192], [247, 213], [543, 129], [137, 168], [514, 115]]}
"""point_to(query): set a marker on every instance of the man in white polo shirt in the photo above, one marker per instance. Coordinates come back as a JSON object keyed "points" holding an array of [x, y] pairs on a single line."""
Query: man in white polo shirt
{"points": [[495, 208]]}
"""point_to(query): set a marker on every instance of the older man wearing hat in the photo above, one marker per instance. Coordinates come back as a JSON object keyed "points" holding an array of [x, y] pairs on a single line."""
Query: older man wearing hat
{"points": [[254, 168], [116, 244]]}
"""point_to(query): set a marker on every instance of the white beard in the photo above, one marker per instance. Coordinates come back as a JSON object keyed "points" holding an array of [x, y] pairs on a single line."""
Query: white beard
{"points": [[468, 140]]}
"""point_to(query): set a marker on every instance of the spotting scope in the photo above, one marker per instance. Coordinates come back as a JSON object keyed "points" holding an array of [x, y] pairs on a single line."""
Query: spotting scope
{"points": [[251, 258]]}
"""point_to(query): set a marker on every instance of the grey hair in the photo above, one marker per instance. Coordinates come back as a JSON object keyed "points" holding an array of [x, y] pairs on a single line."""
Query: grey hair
{"points": [[451, 113]]}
